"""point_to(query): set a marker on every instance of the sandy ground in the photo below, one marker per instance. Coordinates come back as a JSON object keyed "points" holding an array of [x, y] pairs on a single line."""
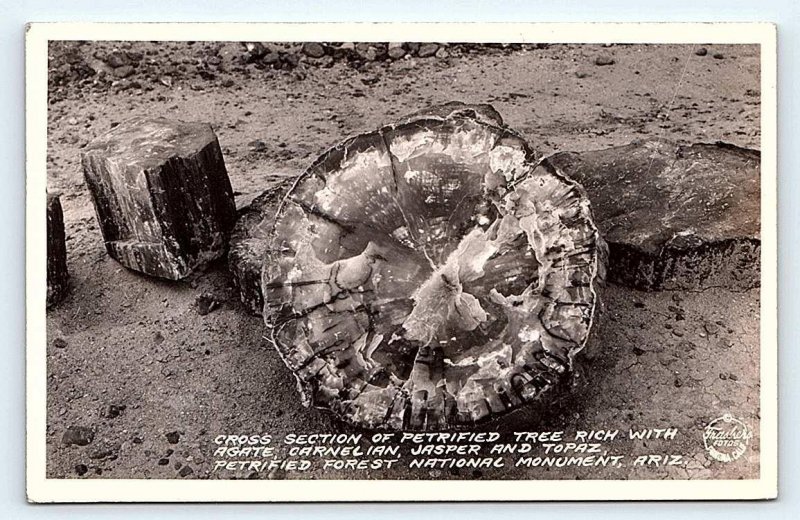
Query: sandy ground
{"points": [[124, 340]]}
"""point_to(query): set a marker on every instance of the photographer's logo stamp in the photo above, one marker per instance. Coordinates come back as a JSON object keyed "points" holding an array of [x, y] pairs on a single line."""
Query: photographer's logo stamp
{"points": [[726, 438]]}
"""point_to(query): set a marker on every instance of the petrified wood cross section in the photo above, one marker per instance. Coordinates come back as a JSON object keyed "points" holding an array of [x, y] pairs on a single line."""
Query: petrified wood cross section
{"points": [[427, 276], [162, 194]]}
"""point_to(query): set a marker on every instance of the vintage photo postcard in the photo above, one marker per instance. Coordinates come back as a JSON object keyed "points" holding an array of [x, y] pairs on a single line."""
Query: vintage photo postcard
{"points": [[401, 262]]}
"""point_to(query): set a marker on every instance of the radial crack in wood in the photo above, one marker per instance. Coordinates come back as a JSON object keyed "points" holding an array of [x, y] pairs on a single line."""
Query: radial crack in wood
{"points": [[427, 276]]}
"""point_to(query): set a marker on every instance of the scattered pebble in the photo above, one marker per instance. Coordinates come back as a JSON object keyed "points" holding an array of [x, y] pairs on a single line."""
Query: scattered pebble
{"points": [[112, 411], [604, 60], [719, 56], [173, 437], [313, 50], [101, 453], [60, 343], [81, 469], [711, 328], [427, 50], [186, 471], [78, 435], [257, 146], [396, 52], [702, 51], [123, 72]]}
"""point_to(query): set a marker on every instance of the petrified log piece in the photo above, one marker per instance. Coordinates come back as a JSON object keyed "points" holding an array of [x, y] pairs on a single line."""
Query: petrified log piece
{"points": [[427, 276], [674, 217], [57, 274], [248, 245], [248, 241], [163, 198]]}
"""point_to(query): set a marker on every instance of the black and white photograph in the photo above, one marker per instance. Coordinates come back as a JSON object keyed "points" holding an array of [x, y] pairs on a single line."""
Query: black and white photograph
{"points": [[469, 260]]}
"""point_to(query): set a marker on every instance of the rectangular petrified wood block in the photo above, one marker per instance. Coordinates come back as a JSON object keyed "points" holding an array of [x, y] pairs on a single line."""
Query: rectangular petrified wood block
{"points": [[57, 275], [162, 194]]}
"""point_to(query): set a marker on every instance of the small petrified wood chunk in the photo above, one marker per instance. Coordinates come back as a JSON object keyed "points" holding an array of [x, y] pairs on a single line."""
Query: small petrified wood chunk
{"points": [[57, 274], [163, 198], [248, 241], [674, 217], [426, 276]]}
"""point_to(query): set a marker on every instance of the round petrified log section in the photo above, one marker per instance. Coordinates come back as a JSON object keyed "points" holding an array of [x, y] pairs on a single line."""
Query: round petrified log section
{"points": [[162, 194], [57, 274], [675, 217], [248, 242], [426, 276]]}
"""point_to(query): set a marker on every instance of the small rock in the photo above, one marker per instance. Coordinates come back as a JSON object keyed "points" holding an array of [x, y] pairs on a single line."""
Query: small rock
{"points": [[117, 59], [313, 50], [412, 47], [396, 53], [638, 351], [604, 60], [272, 58], [702, 51], [255, 51], [228, 83], [166, 81], [60, 343], [442, 53], [112, 411], [81, 469], [581, 74], [186, 471], [719, 56], [206, 303], [711, 328], [370, 80], [257, 146], [163, 462], [123, 72], [173, 437], [78, 435], [427, 49], [101, 453]]}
